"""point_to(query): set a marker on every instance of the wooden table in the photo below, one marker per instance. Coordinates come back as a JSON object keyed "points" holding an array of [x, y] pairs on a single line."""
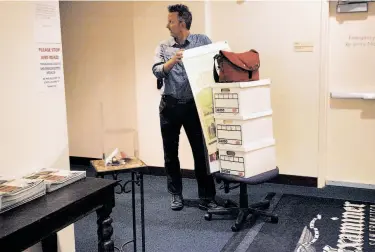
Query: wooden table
{"points": [[136, 167], [26, 225], [131, 164]]}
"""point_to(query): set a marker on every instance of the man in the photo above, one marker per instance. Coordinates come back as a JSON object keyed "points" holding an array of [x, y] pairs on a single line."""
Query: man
{"points": [[177, 108]]}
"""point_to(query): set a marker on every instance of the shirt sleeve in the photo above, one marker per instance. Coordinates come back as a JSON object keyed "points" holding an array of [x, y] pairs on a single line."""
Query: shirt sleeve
{"points": [[206, 40], [159, 60]]}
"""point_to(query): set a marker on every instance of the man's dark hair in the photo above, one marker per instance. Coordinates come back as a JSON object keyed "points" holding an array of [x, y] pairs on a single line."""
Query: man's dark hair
{"points": [[184, 14]]}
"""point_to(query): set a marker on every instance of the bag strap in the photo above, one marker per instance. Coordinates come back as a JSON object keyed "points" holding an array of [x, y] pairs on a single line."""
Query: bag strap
{"points": [[216, 76], [257, 66]]}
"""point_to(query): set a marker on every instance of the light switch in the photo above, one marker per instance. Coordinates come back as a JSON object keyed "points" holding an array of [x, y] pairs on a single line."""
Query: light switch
{"points": [[303, 47]]}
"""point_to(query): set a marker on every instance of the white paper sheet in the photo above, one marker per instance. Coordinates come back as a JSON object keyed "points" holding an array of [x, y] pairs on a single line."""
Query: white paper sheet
{"points": [[199, 63], [47, 22]]}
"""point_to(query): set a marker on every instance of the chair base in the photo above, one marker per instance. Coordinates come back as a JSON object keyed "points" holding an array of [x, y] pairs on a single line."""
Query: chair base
{"points": [[243, 213]]}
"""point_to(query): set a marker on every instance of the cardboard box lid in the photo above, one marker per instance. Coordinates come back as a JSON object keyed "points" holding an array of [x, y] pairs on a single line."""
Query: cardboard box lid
{"points": [[243, 117], [247, 84], [252, 146]]}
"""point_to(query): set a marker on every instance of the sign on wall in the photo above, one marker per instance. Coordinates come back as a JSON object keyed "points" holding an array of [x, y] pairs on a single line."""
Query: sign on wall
{"points": [[51, 74], [47, 37]]}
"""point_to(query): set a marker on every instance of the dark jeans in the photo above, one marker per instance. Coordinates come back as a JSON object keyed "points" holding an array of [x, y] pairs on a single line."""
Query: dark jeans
{"points": [[173, 116]]}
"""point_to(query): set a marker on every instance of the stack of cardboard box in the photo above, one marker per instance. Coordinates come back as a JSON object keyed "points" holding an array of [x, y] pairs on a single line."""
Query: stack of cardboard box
{"points": [[244, 127]]}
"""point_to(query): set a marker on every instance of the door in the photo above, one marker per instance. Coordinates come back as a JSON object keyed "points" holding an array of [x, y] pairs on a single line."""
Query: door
{"points": [[351, 122]]}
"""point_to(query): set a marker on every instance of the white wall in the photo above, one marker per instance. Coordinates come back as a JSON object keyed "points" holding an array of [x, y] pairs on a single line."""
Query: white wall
{"points": [[99, 71], [33, 128], [309, 140], [150, 20], [108, 55], [295, 76], [272, 28]]}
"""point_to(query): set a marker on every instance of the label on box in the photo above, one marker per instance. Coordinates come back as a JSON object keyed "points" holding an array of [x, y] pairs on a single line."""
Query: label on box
{"points": [[226, 110], [229, 134], [231, 164], [230, 141], [236, 173], [226, 103]]}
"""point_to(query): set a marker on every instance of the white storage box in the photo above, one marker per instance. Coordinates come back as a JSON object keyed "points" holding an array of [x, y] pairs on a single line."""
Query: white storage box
{"points": [[241, 98], [256, 158], [238, 131]]}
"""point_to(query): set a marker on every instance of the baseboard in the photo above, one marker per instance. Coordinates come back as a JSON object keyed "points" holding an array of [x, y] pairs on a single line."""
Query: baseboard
{"points": [[85, 161], [187, 173], [295, 180], [350, 184], [160, 171], [281, 179]]}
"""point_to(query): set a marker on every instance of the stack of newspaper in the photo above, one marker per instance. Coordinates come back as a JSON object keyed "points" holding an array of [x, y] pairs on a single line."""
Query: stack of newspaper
{"points": [[17, 191], [56, 178]]}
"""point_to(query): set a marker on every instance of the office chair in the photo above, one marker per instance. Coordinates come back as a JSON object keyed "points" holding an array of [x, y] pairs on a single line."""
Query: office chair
{"points": [[243, 210]]}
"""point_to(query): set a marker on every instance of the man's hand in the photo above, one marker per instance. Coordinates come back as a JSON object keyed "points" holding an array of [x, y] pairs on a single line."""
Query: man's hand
{"points": [[179, 55], [173, 61]]}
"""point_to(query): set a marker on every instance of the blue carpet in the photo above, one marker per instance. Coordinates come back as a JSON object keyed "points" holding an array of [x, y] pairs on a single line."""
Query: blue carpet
{"points": [[166, 230], [186, 230]]}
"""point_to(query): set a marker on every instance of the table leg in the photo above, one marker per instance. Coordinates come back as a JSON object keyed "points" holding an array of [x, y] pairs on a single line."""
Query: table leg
{"points": [[142, 212], [105, 229], [49, 244], [133, 211], [122, 187], [137, 179]]}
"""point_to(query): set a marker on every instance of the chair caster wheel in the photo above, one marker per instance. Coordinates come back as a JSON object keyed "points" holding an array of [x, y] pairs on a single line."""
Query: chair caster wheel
{"points": [[274, 219], [208, 216], [235, 228]]}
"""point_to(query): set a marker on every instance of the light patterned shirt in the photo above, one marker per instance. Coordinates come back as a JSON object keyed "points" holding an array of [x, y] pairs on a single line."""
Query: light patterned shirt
{"points": [[176, 82]]}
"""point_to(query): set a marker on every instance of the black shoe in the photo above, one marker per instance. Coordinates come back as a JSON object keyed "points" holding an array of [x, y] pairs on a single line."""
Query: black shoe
{"points": [[209, 204], [177, 202]]}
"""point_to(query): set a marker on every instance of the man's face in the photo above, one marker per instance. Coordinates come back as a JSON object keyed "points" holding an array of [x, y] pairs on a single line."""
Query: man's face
{"points": [[174, 25]]}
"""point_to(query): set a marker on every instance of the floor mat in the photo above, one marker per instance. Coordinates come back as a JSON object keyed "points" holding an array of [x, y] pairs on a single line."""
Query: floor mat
{"points": [[309, 224]]}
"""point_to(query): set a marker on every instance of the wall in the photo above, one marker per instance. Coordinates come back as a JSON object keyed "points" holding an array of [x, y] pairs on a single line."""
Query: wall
{"points": [[33, 129], [310, 141], [150, 20], [295, 90], [351, 123], [99, 74], [294, 75], [108, 55]]}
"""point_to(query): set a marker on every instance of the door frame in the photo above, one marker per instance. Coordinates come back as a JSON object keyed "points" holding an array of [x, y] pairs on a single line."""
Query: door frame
{"points": [[323, 92]]}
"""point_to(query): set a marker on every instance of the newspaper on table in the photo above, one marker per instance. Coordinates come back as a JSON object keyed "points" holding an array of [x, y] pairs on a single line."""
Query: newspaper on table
{"points": [[17, 191], [199, 64], [56, 178]]}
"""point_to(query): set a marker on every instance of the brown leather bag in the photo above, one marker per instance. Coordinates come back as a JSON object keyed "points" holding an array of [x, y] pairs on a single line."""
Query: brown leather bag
{"points": [[237, 67]]}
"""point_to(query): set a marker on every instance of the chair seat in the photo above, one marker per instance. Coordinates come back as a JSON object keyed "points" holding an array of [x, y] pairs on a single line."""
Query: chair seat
{"points": [[258, 179]]}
